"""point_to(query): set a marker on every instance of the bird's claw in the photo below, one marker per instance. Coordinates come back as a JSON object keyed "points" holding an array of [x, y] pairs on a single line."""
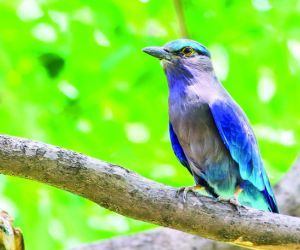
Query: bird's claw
{"points": [[233, 201], [178, 191], [221, 199], [184, 191]]}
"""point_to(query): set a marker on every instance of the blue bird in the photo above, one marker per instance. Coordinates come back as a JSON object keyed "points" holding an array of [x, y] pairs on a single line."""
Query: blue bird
{"points": [[210, 134]]}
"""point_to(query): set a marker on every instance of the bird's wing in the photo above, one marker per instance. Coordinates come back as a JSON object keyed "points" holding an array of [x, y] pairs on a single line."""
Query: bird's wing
{"points": [[239, 139], [178, 149]]}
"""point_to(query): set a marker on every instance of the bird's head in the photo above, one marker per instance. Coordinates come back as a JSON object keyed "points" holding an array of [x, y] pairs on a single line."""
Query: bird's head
{"points": [[182, 53]]}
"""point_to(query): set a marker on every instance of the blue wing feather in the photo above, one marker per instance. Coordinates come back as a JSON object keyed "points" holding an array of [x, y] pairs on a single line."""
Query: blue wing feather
{"points": [[239, 139], [178, 149]]}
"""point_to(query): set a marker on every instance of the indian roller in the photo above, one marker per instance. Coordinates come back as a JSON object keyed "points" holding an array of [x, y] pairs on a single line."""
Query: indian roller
{"points": [[210, 134]]}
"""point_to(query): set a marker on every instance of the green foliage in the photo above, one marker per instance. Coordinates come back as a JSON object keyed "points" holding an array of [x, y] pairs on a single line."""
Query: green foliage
{"points": [[72, 74]]}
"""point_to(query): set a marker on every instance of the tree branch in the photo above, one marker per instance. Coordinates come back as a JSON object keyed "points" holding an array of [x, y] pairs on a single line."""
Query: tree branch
{"points": [[288, 200], [129, 194], [157, 239], [287, 191]]}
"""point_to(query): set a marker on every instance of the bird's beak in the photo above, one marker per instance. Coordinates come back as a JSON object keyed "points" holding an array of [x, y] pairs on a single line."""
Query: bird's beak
{"points": [[158, 52]]}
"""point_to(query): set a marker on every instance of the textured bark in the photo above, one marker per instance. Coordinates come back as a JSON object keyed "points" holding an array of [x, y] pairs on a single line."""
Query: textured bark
{"points": [[158, 239], [168, 239], [129, 194], [287, 191]]}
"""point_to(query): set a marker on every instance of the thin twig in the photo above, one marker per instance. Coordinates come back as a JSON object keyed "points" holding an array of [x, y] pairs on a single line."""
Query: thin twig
{"points": [[181, 19]]}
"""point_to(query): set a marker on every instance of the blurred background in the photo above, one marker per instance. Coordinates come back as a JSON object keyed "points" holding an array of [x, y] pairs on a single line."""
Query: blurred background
{"points": [[72, 74]]}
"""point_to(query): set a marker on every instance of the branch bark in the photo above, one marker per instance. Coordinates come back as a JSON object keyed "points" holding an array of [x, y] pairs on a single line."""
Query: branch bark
{"points": [[287, 191], [168, 239], [129, 194]]}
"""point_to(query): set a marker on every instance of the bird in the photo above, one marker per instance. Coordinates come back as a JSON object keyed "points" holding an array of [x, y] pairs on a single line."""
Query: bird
{"points": [[209, 132]]}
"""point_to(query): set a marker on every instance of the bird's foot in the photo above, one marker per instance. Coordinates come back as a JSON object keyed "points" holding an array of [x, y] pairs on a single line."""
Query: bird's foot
{"points": [[234, 201], [221, 199], [185, 190]]}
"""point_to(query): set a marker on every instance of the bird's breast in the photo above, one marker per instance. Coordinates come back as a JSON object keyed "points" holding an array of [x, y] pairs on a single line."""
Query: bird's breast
{"points": [[196, 131]]}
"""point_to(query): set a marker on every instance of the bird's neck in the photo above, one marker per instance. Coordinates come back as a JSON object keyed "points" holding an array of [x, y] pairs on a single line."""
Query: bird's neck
{"points": [[182, 78]]}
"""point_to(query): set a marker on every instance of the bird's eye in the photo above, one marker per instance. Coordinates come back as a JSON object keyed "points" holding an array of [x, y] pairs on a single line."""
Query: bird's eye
{"points": [[187, 51]]}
